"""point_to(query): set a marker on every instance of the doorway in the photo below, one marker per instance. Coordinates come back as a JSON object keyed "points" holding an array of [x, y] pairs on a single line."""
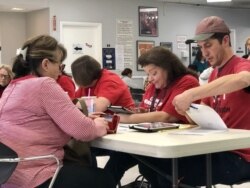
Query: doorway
{"points": [[81, 38]]}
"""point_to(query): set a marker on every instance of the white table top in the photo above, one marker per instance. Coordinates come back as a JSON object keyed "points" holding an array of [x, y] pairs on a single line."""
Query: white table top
{"points": [[166, 145]]}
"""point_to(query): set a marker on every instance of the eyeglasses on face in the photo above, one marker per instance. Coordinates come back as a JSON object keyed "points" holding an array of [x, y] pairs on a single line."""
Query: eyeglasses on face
{"points": [[62, 67], [4, 76]]}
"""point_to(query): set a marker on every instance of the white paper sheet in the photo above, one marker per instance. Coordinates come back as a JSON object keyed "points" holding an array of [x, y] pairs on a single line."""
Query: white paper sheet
{"points": [[206, 118]]}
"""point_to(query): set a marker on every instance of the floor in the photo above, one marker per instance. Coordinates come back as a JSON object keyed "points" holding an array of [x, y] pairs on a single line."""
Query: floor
{"points": [[132, 173]]}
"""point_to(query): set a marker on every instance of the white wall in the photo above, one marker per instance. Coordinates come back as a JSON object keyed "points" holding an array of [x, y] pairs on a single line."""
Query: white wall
{"points": [[37, 22], [174, 19], [15, 28], [13, 33]]}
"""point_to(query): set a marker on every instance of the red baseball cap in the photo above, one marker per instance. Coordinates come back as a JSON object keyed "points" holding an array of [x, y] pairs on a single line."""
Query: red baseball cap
{"points": [[209, 26]]}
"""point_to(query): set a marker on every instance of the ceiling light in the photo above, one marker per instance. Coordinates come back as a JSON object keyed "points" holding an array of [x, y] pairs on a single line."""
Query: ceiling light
{"points": [[217, 1], [17, 9]]}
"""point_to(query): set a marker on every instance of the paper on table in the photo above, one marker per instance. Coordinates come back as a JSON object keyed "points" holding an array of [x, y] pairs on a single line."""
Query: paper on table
{"points": [[123, 128], [206, 118]]}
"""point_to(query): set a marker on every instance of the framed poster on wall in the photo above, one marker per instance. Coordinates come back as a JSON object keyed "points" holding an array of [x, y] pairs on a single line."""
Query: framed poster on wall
{"points": [[143, 46], [148, 21]]}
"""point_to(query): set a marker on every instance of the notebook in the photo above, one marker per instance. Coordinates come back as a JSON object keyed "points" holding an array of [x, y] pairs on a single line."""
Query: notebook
{"points": [[207, 119]]}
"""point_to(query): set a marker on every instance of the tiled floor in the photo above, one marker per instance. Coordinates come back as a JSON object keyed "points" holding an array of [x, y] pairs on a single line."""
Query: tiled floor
{"points": [[132, 173]]}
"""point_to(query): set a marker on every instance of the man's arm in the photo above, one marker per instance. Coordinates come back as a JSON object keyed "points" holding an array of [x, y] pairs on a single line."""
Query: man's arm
{"points": [[225, 84]]}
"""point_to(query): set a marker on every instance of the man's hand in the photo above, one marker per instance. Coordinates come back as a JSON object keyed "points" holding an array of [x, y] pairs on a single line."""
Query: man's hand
{"points": [[182, 102]]}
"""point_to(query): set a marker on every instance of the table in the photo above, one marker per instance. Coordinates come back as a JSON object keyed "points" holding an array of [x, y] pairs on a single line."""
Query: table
{"points": [[166, 145]]}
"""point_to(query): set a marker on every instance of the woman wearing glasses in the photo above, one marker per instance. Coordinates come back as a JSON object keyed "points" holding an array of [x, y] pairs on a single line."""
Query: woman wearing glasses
{"points": [[6, 75], [45, 120]]}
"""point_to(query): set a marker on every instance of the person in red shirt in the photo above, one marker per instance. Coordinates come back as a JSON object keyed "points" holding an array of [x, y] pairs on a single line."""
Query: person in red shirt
{"points": [[229, 167], [107, 86], [45, 120], [225, 84], [168, 77]]}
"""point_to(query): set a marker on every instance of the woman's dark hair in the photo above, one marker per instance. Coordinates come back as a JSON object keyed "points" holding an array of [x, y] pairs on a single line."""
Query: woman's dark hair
{"points": [[165, 59], [85, 70], [126, 72], [37, 49]]}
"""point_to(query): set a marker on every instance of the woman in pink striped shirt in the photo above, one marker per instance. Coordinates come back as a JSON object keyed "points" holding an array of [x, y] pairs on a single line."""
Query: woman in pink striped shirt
{"points": [[38, 118]]}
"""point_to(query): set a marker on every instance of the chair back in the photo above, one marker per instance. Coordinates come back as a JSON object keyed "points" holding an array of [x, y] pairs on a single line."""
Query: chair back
{"points": [[6, 168], [137, 94]]}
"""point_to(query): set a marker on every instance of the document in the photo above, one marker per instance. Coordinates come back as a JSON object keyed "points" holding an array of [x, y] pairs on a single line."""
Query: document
{"points": [[207, 119]]}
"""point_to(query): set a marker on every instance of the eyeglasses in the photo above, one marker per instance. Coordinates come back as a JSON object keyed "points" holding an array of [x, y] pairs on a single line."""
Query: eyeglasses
{"points": [[62, 67], [4, 76]]}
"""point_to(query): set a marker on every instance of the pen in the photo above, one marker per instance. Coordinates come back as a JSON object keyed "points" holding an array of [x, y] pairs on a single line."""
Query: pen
{"points": [[192, 106]]}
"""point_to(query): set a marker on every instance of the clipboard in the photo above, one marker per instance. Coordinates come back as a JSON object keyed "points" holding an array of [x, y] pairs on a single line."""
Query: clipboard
{"points": [[154, 127], [120, 110]]}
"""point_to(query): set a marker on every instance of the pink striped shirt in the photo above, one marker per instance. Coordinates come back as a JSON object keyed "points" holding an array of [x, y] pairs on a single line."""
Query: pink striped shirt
{"points": [[38, 118]]}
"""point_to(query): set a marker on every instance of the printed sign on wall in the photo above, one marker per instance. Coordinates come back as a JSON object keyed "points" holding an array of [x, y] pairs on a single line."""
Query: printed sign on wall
{"points": [[108, 58]]}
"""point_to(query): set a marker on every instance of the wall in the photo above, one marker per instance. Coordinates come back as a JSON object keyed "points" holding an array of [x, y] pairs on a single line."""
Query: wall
{"points": [[13, 33], [174, 19], [15, 28], [37, 22]]}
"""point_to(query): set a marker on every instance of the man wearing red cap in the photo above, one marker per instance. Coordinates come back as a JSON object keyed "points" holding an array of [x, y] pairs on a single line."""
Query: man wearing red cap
{"points": [[213, 37]]}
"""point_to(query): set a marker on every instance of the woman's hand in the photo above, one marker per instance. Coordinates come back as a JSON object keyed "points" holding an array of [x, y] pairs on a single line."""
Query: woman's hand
{"points": [[94, 115], [101, 126]]}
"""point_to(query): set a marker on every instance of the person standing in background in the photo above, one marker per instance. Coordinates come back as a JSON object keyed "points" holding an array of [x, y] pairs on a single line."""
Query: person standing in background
{"points": [[200, 62], [247, 45], [6, 75], [127, 78]]}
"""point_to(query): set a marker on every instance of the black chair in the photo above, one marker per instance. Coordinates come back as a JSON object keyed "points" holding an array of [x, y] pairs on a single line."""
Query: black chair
{"points": [[137, 94], [10, 159]]}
